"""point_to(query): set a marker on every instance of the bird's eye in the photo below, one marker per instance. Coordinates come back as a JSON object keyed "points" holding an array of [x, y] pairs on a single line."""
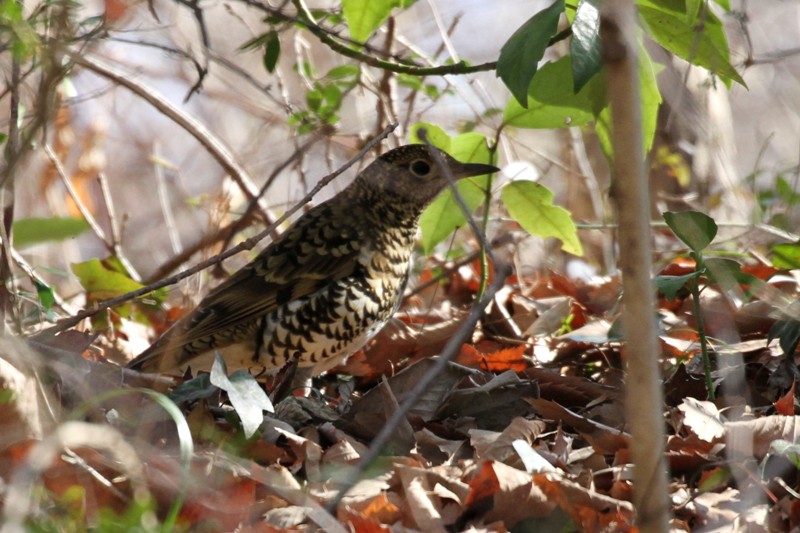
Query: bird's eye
{"points": [[420, 168]]}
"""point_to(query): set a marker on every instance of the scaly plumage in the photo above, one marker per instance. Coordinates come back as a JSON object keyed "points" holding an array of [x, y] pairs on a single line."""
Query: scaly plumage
{"points": [[326, 285]]}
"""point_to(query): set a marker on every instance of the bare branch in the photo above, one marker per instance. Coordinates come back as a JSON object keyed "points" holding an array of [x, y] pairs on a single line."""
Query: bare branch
{"points": [[213, 145]]}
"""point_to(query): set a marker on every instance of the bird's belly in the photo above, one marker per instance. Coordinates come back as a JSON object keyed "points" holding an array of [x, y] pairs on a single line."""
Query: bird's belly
{"points": [[324, 328]]}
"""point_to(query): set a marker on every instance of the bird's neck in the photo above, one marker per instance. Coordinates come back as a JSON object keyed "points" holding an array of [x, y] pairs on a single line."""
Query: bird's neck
{"points": [[385, 208]]}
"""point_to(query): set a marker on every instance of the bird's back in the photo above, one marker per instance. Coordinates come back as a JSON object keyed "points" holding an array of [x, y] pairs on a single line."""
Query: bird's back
{"points": [[317, 293]]}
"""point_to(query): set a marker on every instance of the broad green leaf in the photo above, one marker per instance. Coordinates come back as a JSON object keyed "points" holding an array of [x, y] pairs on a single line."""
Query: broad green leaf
{"points": [[531, 205], [585, 44], [670, 285], [786, 255], [30, 231], [551, 103], [693, 9], [703, 44], [520, 55], [101, 282], [247, 397], [696, 230], [365, 16], [433, 135], [272, 51], [444, 215], [728, 274]]}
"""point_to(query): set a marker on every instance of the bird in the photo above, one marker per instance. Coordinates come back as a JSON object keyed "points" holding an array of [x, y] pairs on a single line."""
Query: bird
{"points": [[326, 285]]}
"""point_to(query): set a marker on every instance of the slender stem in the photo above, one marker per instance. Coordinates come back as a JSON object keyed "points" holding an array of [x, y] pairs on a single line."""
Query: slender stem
{"points": [[487, 201], [694, 287]]}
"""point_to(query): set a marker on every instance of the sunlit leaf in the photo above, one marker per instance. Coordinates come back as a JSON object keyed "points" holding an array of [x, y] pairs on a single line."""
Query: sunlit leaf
{"points": [[531, 204], [551, 104], [444, 215], [102, 283], [365, 16], [786, 255], [701, 43], [245, 394], [585, 43]]}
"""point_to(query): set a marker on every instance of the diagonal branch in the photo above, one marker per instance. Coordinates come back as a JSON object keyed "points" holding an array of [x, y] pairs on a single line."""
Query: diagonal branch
{"points": [[221, 154]]}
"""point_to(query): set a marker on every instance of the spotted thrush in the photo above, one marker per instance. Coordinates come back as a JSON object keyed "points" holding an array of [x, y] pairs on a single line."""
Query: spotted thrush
{"points": [[327, 284]]}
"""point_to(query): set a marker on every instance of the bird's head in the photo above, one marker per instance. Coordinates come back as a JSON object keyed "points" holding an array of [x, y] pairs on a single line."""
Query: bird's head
{"points": [[414, 174]]}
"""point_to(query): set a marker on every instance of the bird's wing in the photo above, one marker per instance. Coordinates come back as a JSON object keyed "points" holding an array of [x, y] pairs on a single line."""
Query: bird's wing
{"points": [[318, 249]]}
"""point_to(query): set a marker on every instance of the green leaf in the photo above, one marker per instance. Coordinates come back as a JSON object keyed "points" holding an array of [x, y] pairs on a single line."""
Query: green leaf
{"points": [[701, 43], [786, 255], [551, 104], [727, 273], [443, 216], [433, 134], [247, 397], [102, 282], [650, 97], [724, 4], [365, 16], [197, 388], [520, 55], [696, 230], [30, 231], [670, 285], [46, 295], [531, 205], [272, 51], [585, 44]]}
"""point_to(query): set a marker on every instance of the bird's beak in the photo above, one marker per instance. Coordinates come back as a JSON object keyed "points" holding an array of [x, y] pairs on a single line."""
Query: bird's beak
{"points": [[468, 170]]}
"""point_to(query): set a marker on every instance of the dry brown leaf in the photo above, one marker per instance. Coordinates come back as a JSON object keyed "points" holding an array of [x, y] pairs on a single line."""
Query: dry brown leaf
{"points": [[590, 510], [604, 439], [507, 494], [753, 438], [422, 509], [499, 446], [703, 418], [785, 404]]}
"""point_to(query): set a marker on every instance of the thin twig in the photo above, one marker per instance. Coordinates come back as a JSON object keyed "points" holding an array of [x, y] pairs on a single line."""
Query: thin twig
{"points": [[448, 353], [307, 19], [221, 154], [7, 290], [202, 71], [479, 235], [113, 223], [26, 267], [163, 199], [245, 245]]}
